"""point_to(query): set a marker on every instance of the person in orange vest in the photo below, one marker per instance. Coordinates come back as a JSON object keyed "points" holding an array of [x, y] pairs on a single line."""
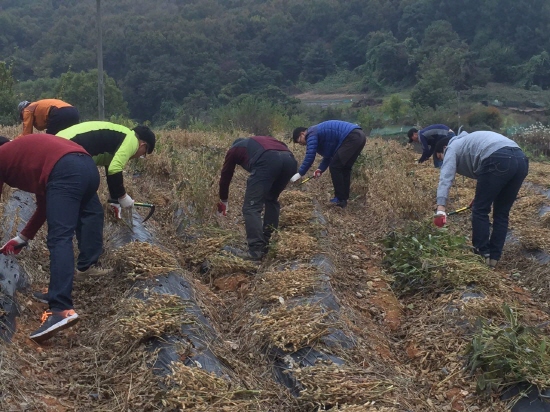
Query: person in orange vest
{"points": [[51, 115]]}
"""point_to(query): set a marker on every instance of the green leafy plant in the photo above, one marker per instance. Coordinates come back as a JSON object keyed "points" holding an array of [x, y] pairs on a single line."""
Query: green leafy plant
{"points": [[509, 354], [411, 257]]}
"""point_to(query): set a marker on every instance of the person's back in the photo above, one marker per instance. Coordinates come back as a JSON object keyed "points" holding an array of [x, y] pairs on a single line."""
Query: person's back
{"points": [[51, 115], [112, 145]]}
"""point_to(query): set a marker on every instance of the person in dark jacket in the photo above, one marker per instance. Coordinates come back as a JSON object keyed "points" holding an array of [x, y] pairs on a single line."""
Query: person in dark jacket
{"points": [[271, 164], [340, 144], [51, 115], [65, 180], [499, 166], [428, 138]]}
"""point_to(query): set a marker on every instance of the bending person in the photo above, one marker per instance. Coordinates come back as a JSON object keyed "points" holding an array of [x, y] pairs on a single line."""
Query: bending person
{"points": [[51, 115], [113, 145], [499, 166], [65, 180]]}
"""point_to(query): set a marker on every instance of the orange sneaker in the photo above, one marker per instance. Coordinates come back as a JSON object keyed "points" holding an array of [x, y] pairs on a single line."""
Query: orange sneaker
{"points": [[53, 322]]}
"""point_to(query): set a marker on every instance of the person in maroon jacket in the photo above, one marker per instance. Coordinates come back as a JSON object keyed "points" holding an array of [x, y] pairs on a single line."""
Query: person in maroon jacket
{"points": [[64, 179], [271, 165]]}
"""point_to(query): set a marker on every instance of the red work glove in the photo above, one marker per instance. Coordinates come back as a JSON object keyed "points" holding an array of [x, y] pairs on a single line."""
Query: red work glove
{"points": [[440, 218], [223, 208], [14, 246], [317, 173]]}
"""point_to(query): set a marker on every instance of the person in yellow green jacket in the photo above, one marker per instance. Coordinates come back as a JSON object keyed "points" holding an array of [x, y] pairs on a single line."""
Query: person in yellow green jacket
{"points": [[112, 146], [51, 115]]}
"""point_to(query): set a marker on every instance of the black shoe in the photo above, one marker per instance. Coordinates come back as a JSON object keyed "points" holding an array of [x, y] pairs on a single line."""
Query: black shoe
{"points": [[41, 296], [245, 255], [338, 203], [53, 322]]}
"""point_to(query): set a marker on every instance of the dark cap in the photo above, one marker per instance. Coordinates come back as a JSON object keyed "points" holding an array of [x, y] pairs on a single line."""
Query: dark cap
{"points": [[410, 134], [146, 134]]}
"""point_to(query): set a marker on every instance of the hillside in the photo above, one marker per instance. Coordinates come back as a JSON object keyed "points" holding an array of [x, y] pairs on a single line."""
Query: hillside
{"points": [[324, 314]]}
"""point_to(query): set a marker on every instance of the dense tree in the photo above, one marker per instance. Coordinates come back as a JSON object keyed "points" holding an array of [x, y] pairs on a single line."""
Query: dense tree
{"points": [[80, 89], [164, 54]]}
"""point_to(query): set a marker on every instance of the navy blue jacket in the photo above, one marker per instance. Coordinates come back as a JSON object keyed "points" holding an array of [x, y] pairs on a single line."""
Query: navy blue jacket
{"points": [[324, 138], [429, 136]]}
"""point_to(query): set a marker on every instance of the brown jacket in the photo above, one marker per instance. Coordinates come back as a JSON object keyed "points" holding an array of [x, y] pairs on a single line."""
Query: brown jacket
{"points": [[36, 114]]}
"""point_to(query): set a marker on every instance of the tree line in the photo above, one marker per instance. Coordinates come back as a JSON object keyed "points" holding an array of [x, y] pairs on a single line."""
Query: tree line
{"points": [[179, 59]]}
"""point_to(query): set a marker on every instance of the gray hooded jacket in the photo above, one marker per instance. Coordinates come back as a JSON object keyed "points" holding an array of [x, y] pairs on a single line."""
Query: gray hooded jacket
{"points": [[464, 156]]}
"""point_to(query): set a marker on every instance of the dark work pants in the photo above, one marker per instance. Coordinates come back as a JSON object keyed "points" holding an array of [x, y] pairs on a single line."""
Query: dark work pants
{"points": [[498, 184], [270, 175], [343, 160], [72, 206], [61, 118]]}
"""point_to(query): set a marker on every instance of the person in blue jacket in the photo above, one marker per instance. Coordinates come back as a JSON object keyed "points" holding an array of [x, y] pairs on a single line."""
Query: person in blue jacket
{"points": [[428, 137], [340, 144]]}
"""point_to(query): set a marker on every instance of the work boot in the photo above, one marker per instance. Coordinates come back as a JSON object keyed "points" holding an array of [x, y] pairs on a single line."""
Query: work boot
{"points": [[94, 271], [53, 322], [492, 263], [245, 255]]}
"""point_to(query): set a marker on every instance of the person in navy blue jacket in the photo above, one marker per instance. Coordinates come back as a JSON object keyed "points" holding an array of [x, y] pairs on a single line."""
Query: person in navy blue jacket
{"points": [[428, 137], [340, 144]]}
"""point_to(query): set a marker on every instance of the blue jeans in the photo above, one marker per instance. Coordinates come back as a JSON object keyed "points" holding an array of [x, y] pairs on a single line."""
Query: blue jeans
{"points": [[72, 206], [498, 184], [437, 163]]}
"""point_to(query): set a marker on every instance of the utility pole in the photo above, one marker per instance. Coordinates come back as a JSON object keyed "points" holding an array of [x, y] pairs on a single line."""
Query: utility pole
{"points": [[100, 82]]}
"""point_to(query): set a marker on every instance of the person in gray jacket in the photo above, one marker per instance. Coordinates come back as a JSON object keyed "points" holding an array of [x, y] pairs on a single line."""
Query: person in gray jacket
{"points": [[499, 166]]}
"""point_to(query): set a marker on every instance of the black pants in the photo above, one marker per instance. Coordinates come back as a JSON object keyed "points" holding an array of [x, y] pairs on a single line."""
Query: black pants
{"points": [[343, 160], [61, 118], [270, 175]]}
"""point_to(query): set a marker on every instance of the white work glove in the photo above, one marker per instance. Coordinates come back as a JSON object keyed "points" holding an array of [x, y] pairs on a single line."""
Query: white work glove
{"points": [[14, 246], [223, 208], [116, 209], [295, 177], [126, 201]]}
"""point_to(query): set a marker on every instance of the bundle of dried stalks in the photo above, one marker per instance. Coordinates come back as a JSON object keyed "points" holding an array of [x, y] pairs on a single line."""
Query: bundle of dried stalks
{"points": [[534, 238], [140, 260], [197, 251], [277, 285], [331, 384], [295, 197], [462, 270], [197, 390], [395, 187], [225, 264], [294, 245], [292, 328], [137, 320], [296, 214]]}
